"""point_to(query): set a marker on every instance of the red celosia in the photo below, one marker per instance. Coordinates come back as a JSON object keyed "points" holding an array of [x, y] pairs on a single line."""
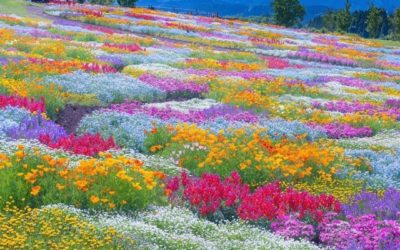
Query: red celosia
{"points": [[209, 194], [98, 68], [87, 144], [23, 102], [277, 63], [140, 16], [103, 29]]}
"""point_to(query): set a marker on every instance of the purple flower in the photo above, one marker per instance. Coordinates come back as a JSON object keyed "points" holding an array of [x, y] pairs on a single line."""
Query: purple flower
{"points": [[339, 130], [363, 232], [227, 112], [293, 228], [242, 74], [174, 87], [386, 207], [354, 107], [33, 127], [351, 82]]}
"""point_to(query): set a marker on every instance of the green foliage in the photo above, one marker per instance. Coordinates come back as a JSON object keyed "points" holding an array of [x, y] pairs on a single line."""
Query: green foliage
{"points": [[288, 12], [16, 7], [371, 23], [396, 25], [344, 17], [127, 3], [330, 20], [102, 2], [374, 22]]}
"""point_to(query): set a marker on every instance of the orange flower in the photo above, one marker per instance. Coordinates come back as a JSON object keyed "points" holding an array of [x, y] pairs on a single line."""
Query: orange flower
{"points": [[82, 185], [20, 154], [167, 192], [30, 177], [63, 173], [94, 199], [35, 190], [155, 148]]}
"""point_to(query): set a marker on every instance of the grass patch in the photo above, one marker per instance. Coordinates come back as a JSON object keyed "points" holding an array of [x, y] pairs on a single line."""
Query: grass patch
{"points": [[17, 7], [389, 43]]}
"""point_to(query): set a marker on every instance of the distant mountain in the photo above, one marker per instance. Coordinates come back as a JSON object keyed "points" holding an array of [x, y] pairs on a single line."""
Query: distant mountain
{"points": [[259, 7]]}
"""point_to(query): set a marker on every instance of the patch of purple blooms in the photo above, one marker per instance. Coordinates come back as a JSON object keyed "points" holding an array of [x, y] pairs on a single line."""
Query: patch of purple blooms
{"points": [[227, 112], [293, 228], [247, 75], [386, 207], [33, 127], [318, 57], [353, 107], [115, 60], [350, 82], [363, 232], [339, 130], [393, 103], [329, 40], [174, 86]]}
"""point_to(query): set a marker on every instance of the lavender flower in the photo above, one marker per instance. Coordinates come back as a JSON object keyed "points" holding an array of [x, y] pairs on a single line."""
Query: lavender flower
{"points": [[385, 208], [33, 127]]}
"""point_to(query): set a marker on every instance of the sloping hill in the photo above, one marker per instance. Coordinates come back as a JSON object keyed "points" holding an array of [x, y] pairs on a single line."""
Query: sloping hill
{"points": [[142, 129]]}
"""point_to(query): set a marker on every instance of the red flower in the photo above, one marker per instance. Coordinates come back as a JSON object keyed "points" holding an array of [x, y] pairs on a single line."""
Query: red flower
{"points": [[87, 144], [210, 193]]}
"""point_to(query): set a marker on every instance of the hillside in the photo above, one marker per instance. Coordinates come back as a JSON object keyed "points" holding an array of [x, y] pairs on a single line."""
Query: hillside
{"points": [[141, 129]]}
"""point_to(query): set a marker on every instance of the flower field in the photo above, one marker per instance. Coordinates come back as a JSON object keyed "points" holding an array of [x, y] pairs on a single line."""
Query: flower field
{"points": [[139, 129]]}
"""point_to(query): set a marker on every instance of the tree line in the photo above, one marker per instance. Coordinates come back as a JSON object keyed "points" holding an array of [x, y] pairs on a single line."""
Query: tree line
{"points": [[372, 23], [123, 3]]}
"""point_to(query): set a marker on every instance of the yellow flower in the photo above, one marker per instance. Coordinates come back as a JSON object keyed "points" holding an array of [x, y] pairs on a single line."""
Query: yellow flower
{"points": [[35, 190], [242, 166], [59, 186], [136, 186]]}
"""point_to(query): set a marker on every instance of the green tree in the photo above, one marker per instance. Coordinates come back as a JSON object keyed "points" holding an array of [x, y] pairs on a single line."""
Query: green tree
{"points": [[344, 17], [374, 22], [102, 2], [396, 25], [330, 20], [127, 3], [288, 12]]}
